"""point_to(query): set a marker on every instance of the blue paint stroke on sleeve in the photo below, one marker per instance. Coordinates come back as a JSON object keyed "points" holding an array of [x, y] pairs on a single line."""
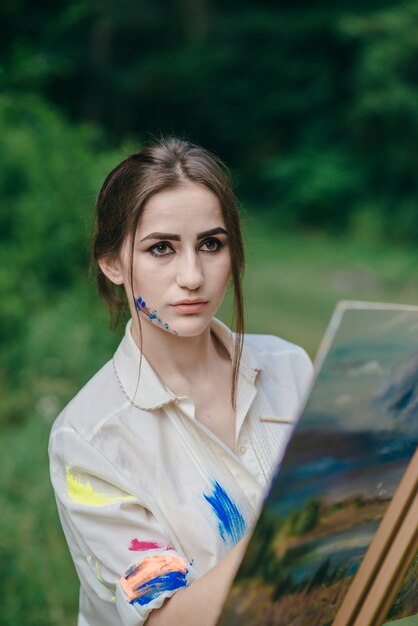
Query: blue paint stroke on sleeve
{"points": [[161, 584], [231, 524], [131, 571]]}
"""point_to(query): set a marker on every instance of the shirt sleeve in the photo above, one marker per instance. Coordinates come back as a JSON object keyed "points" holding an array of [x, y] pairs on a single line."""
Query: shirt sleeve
{"points": [[122, 552]]}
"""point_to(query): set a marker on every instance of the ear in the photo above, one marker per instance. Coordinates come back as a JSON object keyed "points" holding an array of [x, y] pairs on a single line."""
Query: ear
{"points": [[112, 269]]}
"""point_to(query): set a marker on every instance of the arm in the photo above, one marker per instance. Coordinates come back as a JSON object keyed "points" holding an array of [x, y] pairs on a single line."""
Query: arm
{"points": [[102, 521], [201, 603], [121, 551]]}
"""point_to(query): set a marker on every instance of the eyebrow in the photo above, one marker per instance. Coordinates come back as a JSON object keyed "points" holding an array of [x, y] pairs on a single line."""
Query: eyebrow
{"points": [[173, 237]]}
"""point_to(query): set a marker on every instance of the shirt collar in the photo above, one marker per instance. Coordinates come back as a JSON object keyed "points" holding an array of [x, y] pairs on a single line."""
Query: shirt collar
{"points": [[142, 385]]}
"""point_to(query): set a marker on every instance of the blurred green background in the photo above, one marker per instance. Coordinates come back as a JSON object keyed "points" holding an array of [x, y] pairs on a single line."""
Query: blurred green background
{"points": [[314, 108]]}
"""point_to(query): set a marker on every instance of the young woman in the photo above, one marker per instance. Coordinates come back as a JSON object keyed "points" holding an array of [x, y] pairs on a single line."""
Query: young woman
{"points": [[161, 461]]}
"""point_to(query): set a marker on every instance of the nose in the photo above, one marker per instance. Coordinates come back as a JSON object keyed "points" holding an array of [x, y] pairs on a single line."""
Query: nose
{"points": [[189, 271]]}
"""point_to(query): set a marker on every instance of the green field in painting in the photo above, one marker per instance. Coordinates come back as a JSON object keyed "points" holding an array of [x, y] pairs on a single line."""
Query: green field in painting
{"points": [[292, 284], [265, 593]]}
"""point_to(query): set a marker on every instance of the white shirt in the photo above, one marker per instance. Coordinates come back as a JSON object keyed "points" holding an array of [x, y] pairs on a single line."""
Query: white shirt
{"points": [[148, 497]]}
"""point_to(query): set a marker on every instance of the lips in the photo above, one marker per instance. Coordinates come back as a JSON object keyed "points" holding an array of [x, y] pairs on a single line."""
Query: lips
{"points": [[194, 301], [189, 307]]}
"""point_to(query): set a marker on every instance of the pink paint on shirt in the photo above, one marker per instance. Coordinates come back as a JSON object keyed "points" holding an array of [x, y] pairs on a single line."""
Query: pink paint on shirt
{"points": [[141, 546]]}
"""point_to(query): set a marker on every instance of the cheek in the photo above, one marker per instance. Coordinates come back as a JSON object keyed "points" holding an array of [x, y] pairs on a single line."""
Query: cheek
{"points": [[219, 275], [148, 277], [225, 269]]}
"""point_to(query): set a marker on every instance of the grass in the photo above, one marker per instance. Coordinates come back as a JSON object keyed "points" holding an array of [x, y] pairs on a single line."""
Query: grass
{"points": [[37, 579], [291, 286], [293, 282]]}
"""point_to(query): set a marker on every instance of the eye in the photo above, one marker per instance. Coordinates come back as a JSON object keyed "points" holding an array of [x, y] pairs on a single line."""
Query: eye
{"points": [[211, 245], [161, 249]]}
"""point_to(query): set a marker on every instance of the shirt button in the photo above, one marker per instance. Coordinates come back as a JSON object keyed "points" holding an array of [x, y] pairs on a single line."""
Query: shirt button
{"points": [[242, 449]]}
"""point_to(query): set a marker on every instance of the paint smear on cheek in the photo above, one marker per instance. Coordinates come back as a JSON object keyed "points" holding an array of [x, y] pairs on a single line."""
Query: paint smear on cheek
{"points": [[141, 546], [151, 315], [231, 524], [155, 575], [83, 492]]}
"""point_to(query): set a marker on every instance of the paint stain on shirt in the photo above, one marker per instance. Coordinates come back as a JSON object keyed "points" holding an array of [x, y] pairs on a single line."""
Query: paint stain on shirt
{"points": [[83, 492], [153, 576], [97, 570], [140, 546], [231, 524]]}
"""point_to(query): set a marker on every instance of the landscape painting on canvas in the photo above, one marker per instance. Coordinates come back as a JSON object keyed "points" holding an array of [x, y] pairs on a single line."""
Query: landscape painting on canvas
{"points": [[348, 453]]}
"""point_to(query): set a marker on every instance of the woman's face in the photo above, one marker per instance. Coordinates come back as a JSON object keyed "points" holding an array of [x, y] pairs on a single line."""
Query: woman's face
{"points": [[181, 260]]}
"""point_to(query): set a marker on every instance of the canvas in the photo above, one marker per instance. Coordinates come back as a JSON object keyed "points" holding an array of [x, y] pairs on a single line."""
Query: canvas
{"points": [[344, 464]]}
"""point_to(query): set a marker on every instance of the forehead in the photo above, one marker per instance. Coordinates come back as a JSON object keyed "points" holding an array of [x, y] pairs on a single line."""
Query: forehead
{"points": [[187, 208]]}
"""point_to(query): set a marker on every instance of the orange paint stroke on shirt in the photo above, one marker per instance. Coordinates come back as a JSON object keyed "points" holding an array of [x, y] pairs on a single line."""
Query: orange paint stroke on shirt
{"points": [[83, 492], [148, 569]]}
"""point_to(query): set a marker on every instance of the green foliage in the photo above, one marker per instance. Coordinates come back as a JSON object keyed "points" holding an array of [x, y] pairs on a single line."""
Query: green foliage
{"points": [[52, 338], [314, 106], [315, 189], [37, 579], [50, 172], [384, 114]]}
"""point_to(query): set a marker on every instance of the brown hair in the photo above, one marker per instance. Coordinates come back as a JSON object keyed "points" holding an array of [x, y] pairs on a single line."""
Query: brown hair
{"points": [[165, 164]]}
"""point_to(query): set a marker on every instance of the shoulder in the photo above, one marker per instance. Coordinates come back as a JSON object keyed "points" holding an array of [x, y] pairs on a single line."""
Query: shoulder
{"points": [[271, 344], [266, 347], [282, 362], [100, 398], [262, 347]]}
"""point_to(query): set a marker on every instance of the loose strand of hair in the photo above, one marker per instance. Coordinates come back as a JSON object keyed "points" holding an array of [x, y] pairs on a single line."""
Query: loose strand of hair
{"points": [[138, 317]]}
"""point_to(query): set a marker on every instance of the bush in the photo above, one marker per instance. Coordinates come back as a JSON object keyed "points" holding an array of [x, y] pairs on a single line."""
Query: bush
{"points": [[50, 171]]}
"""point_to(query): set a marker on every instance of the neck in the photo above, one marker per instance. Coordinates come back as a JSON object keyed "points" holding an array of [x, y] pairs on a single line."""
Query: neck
{"points": [[180, 362]]}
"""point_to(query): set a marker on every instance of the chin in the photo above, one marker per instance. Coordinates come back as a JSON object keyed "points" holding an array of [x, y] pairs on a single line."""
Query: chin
{"points": [[191, 325]]}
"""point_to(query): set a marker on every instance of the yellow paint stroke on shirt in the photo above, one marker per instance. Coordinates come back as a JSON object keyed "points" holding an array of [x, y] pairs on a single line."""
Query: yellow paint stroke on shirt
{"points": [[83, 492], [98, 572]]}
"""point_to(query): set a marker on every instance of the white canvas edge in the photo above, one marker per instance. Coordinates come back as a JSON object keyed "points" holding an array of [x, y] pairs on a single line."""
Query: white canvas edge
{"points": [[340, 309]]}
